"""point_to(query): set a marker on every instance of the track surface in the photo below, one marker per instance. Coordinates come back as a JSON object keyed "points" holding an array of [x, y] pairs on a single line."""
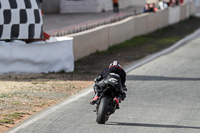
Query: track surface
{"points": [[163, 97]]}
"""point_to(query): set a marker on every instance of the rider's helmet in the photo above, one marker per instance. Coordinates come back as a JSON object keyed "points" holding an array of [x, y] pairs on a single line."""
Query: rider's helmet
{"points": [[115, 63]]}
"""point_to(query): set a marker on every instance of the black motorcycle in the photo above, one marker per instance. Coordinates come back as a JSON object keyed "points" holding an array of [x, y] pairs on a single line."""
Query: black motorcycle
{"points": [[110, 88]]}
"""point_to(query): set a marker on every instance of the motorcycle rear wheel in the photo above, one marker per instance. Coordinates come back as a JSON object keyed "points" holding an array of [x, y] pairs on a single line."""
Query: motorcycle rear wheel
{"points": [[102, 110]]}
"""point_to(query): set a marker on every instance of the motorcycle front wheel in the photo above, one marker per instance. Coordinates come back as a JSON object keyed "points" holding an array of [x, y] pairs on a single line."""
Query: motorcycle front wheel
{"points": [[102, 110]]}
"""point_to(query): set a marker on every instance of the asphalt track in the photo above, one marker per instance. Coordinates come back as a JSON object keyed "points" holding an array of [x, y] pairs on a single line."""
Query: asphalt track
{"points": [[163, 97]]}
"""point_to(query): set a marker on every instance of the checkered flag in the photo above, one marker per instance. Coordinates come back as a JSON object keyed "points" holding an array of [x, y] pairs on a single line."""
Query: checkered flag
{"points": [[20, 19]]}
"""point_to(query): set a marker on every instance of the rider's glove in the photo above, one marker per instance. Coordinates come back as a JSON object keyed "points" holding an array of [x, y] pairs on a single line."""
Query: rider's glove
{"points": [[123, 96], [97, 79], [124, 88]]}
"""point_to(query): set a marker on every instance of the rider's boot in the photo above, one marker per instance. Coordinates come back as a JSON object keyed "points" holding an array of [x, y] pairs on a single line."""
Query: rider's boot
{"points": [[116, 101], [97, 93], [95, 99]]}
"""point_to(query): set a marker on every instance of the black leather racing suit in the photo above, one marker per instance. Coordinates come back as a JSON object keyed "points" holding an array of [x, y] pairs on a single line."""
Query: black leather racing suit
{"points": [[112, 69]]}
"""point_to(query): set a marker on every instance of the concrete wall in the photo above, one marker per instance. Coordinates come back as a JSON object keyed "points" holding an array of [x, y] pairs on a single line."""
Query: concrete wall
{"points": [[183, 11], [197, 3], [192, 7], [152, 22], [140, 24], [157, 20], [88, 42], [174, 15], [162, 19], [121, 31]]}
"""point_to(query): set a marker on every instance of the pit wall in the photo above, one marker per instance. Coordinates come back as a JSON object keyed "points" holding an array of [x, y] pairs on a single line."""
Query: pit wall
{"points": [[99, 39]]}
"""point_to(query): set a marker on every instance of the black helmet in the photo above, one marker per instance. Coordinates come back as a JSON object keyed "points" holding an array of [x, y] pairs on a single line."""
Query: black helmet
{"points": [[115, 63]]}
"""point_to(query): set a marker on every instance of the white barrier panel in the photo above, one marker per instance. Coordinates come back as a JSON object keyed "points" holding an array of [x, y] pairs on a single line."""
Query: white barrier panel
{"points": [[192, 8], [174, 14], [88, 42], [188, 9], [121, 31], [54, 56], [162, 18], [140, 24], [152, 22], [183, 11]]}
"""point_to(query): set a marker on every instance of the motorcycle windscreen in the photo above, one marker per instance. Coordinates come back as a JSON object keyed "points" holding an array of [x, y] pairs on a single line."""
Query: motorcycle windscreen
{"points": [[20, 19]]}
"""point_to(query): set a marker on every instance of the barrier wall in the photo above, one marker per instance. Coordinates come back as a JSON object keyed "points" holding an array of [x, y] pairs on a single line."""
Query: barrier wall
{"points": [[157, 20], [88, 42], [152, 22], [54, 55], [121, 31], [183, 11], [192, 7], [174, 15], [140, 24], [162, 18]]}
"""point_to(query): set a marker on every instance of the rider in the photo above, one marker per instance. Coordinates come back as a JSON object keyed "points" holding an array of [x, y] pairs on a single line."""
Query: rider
{"points": [[113, 68]]}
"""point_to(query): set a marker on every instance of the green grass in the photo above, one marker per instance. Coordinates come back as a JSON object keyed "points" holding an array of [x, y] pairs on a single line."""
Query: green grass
{"points": [[15, 115], [6, 120], [35, 83], [148, 41], [4, 95], [9, 118], [171, 40]]}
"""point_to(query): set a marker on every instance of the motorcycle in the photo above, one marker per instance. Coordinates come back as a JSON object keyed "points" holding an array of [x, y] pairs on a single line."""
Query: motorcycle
{"points": [[106, 105]]}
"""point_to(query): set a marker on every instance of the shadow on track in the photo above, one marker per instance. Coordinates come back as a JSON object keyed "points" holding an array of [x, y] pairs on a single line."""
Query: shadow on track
{"points": [[159, 78], [151, 125]]}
